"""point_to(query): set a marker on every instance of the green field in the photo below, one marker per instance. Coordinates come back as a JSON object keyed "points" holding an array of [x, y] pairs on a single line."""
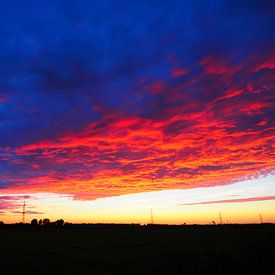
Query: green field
{"points": [[228, 249]]}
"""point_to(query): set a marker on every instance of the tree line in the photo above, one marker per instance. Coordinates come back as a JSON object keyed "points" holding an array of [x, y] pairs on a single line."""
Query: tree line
{"points": [[47, 222]]}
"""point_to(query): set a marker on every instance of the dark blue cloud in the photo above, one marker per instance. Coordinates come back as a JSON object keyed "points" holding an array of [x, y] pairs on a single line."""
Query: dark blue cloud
{"points": [[62, 57]]}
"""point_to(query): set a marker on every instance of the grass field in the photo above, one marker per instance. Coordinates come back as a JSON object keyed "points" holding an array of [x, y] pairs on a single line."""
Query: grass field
{"points": [[227, 249]]}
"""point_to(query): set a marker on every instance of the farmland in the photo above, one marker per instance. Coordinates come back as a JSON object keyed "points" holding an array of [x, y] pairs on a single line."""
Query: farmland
{"points": [[125, 249]]}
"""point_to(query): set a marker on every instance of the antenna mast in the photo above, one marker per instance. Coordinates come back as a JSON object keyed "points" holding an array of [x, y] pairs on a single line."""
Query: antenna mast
{"points": [[23, 212]]}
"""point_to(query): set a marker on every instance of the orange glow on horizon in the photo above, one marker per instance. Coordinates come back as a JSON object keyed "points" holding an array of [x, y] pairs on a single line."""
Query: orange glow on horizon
{"points": [[242, 202]]}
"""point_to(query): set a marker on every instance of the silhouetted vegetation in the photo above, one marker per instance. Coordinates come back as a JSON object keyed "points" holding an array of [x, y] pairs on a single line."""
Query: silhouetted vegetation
{"points": [[135, 249], [59, 222], [47, 223], [34, 222]]}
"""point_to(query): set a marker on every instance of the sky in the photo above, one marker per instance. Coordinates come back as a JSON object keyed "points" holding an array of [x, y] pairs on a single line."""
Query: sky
{"points": [[109, 109]]}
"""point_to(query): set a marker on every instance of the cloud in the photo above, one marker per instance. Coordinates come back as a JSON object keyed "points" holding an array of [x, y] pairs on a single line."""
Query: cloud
{"points": [[219, 143], [253, 199], [14, 198], [116, 99], [10, 202], [28, 212], [176, 72]]}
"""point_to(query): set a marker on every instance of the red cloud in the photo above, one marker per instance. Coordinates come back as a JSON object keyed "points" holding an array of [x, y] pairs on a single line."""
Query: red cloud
{"points": [[9, 202], [179, 72], [212, 66], [4, 99], [155, 88], [207, 133]]}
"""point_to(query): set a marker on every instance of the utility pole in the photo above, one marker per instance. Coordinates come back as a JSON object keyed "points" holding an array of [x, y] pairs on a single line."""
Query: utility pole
{"points": [[23, 212], [261, 219], [152, 218], [220, 215]]}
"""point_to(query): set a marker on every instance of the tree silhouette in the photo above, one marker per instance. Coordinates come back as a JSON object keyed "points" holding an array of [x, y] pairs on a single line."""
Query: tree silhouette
{"points": [[34, 222], [46, 221], [59, 222]]}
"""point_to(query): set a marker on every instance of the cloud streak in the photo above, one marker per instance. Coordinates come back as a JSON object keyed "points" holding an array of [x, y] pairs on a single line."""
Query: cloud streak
{"points": [[253, 199]]}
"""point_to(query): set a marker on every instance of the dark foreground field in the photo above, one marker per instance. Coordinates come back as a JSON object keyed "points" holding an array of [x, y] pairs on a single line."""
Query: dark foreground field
{"points": [[228, 249]]}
